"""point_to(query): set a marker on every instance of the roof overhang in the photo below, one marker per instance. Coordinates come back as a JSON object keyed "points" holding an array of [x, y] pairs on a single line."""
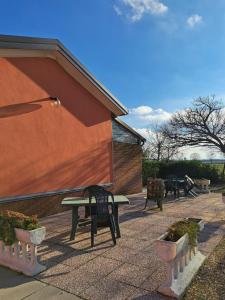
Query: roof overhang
{"points": [[18, 46]]}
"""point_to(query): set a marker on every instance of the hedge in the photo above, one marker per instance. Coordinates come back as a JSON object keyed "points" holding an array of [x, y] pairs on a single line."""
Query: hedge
{"points": [[193, 168]]}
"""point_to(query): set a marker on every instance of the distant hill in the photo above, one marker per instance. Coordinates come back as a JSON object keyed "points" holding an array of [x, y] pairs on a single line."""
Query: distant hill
{"points": [[213, 161]]}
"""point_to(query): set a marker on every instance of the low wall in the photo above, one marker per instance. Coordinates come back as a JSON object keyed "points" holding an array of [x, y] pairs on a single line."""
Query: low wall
{"points": [[41, 207]]}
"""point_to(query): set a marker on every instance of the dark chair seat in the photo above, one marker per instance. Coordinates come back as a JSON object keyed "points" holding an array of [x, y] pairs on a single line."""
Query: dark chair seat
{"points": [[103, 212]]}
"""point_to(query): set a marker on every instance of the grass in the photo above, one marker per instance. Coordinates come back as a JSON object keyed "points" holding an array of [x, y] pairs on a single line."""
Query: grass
{"points": [[209, 283]]}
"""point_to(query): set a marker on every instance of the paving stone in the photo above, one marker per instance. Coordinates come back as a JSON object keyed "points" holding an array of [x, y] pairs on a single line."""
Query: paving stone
{"points": [[109, 290], [155, 279], [122, 254], [134, 243], [55, 272], [6, 274], [77, 280], [101, 266], [77, 258], [148, 260], [50, 254], [130, 274], [19, 287], [210, 244], [147, 236], [52, 293], [141, 294]]}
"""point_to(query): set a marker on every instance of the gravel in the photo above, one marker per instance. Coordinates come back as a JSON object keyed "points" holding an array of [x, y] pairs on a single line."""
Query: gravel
{"points": [[209, 283]]}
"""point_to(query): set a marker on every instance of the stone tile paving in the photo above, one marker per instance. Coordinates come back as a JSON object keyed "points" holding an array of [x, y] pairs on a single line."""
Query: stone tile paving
{"points": [[131, 269], [15, 286]]}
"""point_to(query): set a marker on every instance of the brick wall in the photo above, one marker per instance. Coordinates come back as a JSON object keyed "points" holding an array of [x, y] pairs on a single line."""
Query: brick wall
{"points": [[40, 206], [127, 168], [127, 178]]}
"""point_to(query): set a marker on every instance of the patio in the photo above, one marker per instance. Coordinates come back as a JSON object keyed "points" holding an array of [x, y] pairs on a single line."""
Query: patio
{"points": [[131, 269]]}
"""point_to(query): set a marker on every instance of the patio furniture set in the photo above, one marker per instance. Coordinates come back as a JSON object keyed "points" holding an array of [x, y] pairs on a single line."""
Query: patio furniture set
{"points": [[102, 207]]}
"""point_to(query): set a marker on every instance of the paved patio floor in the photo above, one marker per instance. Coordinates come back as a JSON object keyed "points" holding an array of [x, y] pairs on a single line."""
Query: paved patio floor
{"points": [[131, 269]]}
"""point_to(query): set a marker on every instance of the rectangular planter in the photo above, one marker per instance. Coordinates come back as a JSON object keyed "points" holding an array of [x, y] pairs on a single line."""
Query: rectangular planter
{"points": [[22, 255], [203, 185], [182, 262], [35, 236]]}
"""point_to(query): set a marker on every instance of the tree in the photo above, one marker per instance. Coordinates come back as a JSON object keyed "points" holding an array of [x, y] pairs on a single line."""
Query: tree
{"points": [[195, 156], [201, 125], [158, 145]]}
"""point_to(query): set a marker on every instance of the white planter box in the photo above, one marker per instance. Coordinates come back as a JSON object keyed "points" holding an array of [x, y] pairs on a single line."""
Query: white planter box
{"points": [[35, 236], [182, 261], [203, 184], [22, 255], [200, 222]]}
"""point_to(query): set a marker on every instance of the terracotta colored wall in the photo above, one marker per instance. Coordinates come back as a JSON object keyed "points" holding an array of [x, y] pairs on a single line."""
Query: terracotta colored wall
{"points": [[127, 168], [44, 148]]}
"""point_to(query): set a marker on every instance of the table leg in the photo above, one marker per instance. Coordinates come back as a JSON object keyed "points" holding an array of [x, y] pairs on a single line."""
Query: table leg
{"points": [[75, 218], [116, 217], [87, 212]]}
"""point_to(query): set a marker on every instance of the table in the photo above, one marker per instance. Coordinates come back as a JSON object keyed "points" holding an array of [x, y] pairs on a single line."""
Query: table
{"points": [[76, 202], [174, 185]]}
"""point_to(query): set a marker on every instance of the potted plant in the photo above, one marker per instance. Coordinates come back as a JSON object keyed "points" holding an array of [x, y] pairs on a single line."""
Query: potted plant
{"points": [[178, 249], [19, 237], [16, 226]]}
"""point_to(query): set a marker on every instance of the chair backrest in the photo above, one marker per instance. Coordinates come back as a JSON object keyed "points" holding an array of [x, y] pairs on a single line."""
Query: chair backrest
{"points": [[171, 182], [155, 188], [189, 183], [102, 202], [91, 190]]}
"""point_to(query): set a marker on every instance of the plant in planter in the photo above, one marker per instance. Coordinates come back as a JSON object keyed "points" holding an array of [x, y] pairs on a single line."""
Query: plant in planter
{"points": [[19, 237], [178, 248], [10, 221], [180, 228]]}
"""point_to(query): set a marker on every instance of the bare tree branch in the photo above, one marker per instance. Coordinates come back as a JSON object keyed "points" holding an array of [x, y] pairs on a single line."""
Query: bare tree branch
{"points": [[201, 125], [158, 146]]}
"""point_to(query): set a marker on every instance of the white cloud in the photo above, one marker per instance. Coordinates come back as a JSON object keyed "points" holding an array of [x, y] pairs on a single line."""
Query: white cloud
{"points": [[147, 115], [145, 132], [194, 20], [117, 10], [140, 7]]}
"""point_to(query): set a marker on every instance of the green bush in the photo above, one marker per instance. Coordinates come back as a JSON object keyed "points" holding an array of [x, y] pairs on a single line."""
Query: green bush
{"points": [[10, 220], [193, 168], [180, 228]]}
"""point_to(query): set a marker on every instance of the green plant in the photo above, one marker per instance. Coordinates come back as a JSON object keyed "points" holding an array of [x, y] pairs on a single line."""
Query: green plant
{"points": [[195, 169], [10, 220], [180, 228]]}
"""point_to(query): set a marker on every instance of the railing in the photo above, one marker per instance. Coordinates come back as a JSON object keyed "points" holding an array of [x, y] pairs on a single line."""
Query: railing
{"points": [[21, 257]]}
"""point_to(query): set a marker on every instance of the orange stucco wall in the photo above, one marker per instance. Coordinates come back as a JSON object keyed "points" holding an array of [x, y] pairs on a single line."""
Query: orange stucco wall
{"points": [[43, 147]]}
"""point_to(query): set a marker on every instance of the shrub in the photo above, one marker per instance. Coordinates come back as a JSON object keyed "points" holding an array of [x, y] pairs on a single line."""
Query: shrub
{"points": [[10, 220], [180, 228], [193, 168], [150, 168]]}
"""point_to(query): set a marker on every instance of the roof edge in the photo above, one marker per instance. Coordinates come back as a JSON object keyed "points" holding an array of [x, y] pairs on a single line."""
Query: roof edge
{"points": [[24, 42]]}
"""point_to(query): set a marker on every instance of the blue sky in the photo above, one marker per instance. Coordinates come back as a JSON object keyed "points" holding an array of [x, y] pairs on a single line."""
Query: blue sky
{"points": [[154, 55]]}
